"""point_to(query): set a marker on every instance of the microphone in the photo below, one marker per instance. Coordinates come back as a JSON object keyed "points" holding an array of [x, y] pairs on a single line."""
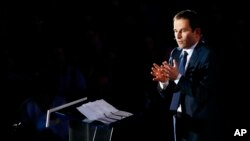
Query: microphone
{"points": [[170, 61]]}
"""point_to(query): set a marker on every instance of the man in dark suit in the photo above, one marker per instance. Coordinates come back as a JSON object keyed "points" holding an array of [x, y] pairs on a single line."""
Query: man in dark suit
{"points": [[190, 92]]}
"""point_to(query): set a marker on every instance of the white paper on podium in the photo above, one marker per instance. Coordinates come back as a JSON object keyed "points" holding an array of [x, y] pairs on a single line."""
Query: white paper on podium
{"points": [[101, 110]]}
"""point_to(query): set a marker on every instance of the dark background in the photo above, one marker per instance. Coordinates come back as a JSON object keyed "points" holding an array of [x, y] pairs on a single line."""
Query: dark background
{"points": [[114, 43]]}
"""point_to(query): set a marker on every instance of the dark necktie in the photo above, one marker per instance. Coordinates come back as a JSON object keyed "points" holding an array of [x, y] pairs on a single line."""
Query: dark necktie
{"points": [[182, 63], [176, 96]]}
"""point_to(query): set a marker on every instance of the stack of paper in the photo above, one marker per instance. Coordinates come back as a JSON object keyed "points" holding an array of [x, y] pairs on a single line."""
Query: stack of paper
{"points": [[101, 110]]}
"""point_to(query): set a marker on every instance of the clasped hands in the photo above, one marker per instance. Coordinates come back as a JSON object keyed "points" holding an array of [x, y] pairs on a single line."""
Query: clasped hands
{"points": [[165, 71]]}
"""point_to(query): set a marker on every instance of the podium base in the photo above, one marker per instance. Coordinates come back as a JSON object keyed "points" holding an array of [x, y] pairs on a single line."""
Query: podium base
{"points": [[82, 131]]}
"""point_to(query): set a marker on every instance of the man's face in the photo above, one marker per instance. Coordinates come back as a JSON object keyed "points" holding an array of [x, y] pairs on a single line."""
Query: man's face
{"points": [[184, 35]]}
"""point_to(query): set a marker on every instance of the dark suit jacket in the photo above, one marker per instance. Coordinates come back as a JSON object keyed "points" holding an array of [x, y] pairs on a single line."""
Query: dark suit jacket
{"points": [[197, 90]]}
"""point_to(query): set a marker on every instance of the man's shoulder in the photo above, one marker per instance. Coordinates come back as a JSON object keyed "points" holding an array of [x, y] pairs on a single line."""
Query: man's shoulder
{"points": [[176, 50], [202, 47]]}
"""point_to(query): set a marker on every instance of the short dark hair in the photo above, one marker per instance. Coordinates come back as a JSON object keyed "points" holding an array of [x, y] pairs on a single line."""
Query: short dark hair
{"points": [[192, 16]]}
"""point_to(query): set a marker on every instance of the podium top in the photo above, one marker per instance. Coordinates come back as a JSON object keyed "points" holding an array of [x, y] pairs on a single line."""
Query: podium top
{"points": [[55, 109]]}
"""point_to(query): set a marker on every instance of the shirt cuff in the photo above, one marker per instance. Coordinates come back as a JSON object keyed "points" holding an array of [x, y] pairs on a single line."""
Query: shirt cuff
{"points": [[164, 85], [177, 79]]}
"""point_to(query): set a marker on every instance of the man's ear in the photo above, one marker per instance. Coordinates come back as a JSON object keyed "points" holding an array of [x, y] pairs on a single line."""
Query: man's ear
{"points": [[197, 31]]}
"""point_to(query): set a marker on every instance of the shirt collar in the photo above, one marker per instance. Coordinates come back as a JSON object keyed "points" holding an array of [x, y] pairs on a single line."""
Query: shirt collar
{"points": [[191, 49]]}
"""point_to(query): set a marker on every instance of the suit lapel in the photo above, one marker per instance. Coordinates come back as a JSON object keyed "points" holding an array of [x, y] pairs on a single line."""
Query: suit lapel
{"points": [[176, 54], [193, 60]]}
